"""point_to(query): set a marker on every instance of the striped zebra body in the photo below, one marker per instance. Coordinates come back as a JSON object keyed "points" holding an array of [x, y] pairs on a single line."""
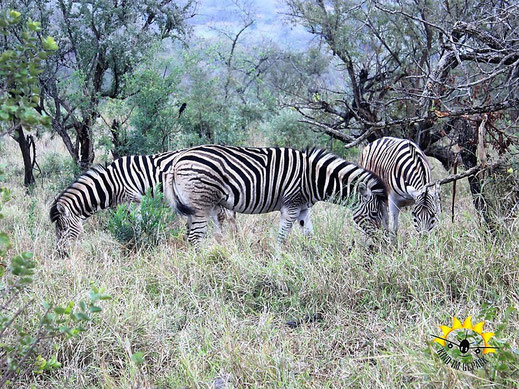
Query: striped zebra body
{"points": [[125, 180], [260, 180], [406, 172]]}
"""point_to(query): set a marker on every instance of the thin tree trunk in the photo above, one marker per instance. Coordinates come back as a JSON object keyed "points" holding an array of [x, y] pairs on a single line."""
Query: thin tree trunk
{"points": [[24, 144], [467, 140], [116, 141], [86, 146]]}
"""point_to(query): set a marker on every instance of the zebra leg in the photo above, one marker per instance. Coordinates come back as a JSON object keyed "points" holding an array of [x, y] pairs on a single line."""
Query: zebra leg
{"points": [[285, 223], [394, 213], [218, 215], [231, 216], [197, 228], [304, 222]]}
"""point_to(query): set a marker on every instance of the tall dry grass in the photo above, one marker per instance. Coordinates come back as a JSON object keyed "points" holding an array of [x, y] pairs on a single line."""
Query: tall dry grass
{"points": [[218, 317]]}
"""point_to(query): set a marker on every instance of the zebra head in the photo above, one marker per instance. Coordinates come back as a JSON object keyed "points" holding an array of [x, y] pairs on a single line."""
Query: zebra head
{"points": [[427, 208], [68, 225], [371, 212]]}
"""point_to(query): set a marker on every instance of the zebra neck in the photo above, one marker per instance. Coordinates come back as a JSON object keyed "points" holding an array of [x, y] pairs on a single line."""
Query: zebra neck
{"points": [[94, 190]]}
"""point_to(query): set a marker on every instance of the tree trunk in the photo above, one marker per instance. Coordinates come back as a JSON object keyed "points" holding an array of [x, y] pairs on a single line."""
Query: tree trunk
{"points": [[86, 146], [25, 143], [467, 140], [116, 141]]}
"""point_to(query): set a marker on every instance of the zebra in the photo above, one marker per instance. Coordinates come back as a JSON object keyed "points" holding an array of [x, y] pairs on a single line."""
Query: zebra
{"points": [[125, 180], [259, 180], [407, 174]]}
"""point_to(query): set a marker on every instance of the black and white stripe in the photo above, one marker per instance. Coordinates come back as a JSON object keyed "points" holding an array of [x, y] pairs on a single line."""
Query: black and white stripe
{"points": [[406, 172], [259, 180], [125, 180]]}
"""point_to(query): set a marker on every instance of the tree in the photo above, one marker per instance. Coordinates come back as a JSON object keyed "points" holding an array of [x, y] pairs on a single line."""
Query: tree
{"points": [[101, 43], [20, 64], [439, 73]]}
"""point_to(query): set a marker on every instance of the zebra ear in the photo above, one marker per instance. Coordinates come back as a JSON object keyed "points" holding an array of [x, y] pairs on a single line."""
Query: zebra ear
{"points": [[62, 210], [364, 191]]}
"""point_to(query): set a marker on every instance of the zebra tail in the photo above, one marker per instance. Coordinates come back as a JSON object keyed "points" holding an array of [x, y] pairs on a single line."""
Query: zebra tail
{"points": [[172, 197]]}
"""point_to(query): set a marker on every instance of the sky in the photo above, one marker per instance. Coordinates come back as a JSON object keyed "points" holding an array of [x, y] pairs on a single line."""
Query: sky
{"points": [[270, 23]]}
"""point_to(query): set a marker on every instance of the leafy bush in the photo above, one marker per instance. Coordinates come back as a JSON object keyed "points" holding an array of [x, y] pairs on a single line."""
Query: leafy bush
{"points": [[145, 225], [501, 193], [285, 130], [56, 165]]}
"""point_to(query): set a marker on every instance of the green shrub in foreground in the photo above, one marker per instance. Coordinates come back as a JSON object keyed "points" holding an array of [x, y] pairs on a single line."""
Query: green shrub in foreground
{"points": [[142, 226], [23, 329]]}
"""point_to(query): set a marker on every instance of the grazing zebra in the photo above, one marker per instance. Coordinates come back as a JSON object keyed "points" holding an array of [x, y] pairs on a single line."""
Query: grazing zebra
{"points": [[404, 169], [123, 181], [260, 180]]}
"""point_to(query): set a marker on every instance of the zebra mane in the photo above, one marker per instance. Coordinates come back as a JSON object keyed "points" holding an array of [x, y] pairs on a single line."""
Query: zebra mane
{"points": [[379, 186], [317, 152], [94, 172]]}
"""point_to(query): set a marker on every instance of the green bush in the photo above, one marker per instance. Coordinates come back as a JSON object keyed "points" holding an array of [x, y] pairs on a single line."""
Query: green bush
{"points": [[24, 329], [61, 169], [142, 226], [285, 130]]}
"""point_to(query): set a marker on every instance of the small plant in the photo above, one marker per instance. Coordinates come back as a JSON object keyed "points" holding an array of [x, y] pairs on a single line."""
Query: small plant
{"points": [[143, 226], [60, 170], [23, 329]]}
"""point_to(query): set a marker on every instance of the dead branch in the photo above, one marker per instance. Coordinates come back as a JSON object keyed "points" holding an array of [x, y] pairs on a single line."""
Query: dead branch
{"points": [[471, 172]]}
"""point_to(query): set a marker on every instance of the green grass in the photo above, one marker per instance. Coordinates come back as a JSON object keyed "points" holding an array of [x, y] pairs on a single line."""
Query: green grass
{"points": [[222, 312]]}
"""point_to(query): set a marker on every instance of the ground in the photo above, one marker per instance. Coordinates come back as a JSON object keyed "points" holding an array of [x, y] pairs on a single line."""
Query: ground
{"points": [[218, 318]]}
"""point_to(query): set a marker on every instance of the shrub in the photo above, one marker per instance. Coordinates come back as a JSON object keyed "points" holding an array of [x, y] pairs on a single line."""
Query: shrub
{"points": [[23, 328], [61, 169], [285, 130], [142, 226]]}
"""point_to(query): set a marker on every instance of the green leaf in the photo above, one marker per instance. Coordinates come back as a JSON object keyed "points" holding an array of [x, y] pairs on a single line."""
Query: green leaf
{"points": [[138, 358], [80, 316], [95, 309], [27, 255], [33, 26], [49, 44], [14, 16], [5, 243]]}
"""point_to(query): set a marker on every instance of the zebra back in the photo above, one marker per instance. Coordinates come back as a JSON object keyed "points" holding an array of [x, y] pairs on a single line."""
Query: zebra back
{"points": [[399, 163]]}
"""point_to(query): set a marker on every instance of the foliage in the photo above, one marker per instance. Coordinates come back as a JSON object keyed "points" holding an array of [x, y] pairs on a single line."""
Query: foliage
{"points": [[100, 44], [286, 130], [20, 65], [59, 170], [22, 330], [500, 192], [504, 365], [145, 225], [152, 120]]}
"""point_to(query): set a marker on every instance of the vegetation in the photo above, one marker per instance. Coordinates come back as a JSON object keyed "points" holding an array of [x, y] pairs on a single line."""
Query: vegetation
{"points": [[329, 310], [24, 330], [144, 225], [222, 313]]}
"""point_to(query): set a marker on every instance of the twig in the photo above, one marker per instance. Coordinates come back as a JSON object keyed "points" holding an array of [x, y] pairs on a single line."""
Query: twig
{"points": [[455, 171]]}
